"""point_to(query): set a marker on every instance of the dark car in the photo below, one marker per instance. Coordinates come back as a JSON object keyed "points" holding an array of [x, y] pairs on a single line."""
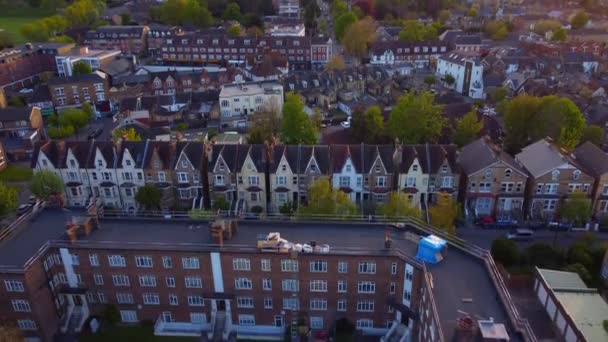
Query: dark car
{"points": [[24, 208], [95, 134]]}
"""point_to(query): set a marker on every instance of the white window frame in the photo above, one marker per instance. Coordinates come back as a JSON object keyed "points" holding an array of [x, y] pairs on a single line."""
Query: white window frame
{"points": [[128, 316], [243, 283], [193, 282], [318, 285], [244, 302], [367, 267], [241, 264], [190, 263], [318, 266], [116, 260], [318, 304], [13, 285], [147, 280], [367, 287], [143, 261], [265, 265]]}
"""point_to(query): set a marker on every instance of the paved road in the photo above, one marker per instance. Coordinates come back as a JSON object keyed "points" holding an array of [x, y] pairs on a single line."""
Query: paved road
{"points": [[484, 237]]}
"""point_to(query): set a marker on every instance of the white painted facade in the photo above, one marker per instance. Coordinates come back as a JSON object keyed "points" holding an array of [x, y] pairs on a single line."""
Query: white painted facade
{"points": [[415, 178], [454, 64], [249, 177], [104, 181], [241, 100], [282, 178], [76, 181], [349, 178], [129, 175]]}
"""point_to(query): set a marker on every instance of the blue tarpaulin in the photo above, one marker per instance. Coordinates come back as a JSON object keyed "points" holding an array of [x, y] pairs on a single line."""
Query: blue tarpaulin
{"points": [[430, 249]]}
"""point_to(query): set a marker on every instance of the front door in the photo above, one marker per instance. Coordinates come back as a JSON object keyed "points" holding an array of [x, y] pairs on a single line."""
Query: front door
{"points": [[278, 321], [77, 300], [221, 305]]}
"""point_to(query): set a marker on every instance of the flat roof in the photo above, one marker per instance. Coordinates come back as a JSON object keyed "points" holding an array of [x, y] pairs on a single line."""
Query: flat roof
{"points": [[588, 310], [459, 282], [562, 280]]}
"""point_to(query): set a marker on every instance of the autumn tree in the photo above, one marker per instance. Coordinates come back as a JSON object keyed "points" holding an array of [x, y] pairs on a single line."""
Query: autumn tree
{"points": [[45, 184], [559, 35], [297, 127], [467, 128], [342, 23], [336, 62], [576, 208], [546, 25], [416, 119], [359, 36], [594, 134], [10, 333], [323, 199], [232, 12], [579, 20], [234, 30], [397, 206], [126, 134], [368, 126], [413, 30], [265, 126], [444, 213], [8, 199]]}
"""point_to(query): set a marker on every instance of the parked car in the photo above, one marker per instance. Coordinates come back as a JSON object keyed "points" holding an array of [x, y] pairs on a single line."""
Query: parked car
{"points": [[560, 226], [32, 200], [96, 133], [521, 235], [24, 208]]}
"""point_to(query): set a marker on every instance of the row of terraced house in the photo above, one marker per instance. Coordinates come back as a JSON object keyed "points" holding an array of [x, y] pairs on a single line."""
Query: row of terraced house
{"points": [[487, 180]]}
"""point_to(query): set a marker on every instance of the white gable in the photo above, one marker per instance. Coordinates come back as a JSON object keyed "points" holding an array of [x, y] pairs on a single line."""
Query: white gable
{"points": [[127, 157], [220, 162], [180, 162], [100, 161], [249, 165], [284, 163], [71, 160]]}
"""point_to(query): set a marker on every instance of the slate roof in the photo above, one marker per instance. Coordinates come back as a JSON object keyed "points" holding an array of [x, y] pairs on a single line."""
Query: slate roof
{"points": [[542, 157], [166, 152], [592, 158], [108, 151], [92, 77], [481, 154], [15, 114], [137, 150], [49, 148], [257, 154]]}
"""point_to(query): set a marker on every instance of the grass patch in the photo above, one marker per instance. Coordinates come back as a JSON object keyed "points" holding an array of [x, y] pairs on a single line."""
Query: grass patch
{"points": [[12, 19], [16, 173], [133, 334]]}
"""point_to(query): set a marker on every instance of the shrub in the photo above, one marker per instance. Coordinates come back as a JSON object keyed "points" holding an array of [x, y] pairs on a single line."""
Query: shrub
{"points": [[286, 208], [257, 209], [544, 256], [221, 204], [505, 251]]}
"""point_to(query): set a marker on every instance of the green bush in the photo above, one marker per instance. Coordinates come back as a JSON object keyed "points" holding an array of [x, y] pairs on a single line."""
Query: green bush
{"points": [[257, 209], [221, 204], [505, 251], [60, 132], [544, 256], [287, 208]]}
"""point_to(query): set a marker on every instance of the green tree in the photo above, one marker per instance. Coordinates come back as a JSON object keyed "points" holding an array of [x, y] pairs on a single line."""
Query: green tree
{"points": [[127, 134], [220, 203], [297, 126], [342, 23], [81, 68], [492, 27], [449, 80], [60, 132], [125, 18], [77, 118], [415, 31], [311, 12], [522, 122], [546, 25], [562, 120], [265, 126], [444, 15], [232, 12], [8, 199], [505, 251], [444, 213], [6, 40], [579, 20], [594, 134], [397, 206], [322, 26], [368, 126], [544, 256], [467, 128], [149, 196], [501, 34], [498, 94], [429, 80], [338, 7], [45, 184], [180, 127], [84, 12], [576, 208], [472, 12], [416, 119], [234, 30], [559, 35], [359, 36], [325, 200], [61, 39]]}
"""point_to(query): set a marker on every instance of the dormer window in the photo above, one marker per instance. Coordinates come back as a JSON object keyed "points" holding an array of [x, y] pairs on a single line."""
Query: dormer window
{"points": [[576, 175], [554, 175], [508, 173]]}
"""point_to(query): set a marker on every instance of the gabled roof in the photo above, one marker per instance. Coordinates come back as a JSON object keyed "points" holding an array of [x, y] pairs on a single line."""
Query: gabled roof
{"points": [[291, 153], [339, 154], [50, 150], [481, 154], [257, 153], [592, 158], [137, 151], [409, 153], [166, 153], [542, 157], [228, 153], [108, 152], [81, 151], [194, 151], [432, 157], [372, 152]]}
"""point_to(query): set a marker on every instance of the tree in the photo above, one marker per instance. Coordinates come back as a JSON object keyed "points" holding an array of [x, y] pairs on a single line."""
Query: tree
{"points": [[579, 20], [81, 68], [342, 23], [338, 7], [397, 206], [429, 80], [10, 333], [444, 16], [6, 40], [594, 134], [127, 134], [125, 18], [498, 94], [255, 31], [546, 25], [505, 251], [492, 27], [234, 30], [322, 26], [62, 39], [110, 314], [413, 30], [232, 12], [60, 132], [45, 184], [359, 36], [467, 128], [84, 12], [562, 120], [311, 12], [336, 62], [559, 35], [149, 196], [472, 12], [180, 127], [501, 34], [416, 119], [544, 256], [77, 118], [180, 12], [220, 203], [449, 80], [444, 213], [576, 208], [368, 126], [297, 126], [325, 200], [265, 126], [8, 199]]}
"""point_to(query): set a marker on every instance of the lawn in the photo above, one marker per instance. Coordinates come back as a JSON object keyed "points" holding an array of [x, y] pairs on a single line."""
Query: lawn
{"points": [[133, 334], [15, 173], [12, 19]]}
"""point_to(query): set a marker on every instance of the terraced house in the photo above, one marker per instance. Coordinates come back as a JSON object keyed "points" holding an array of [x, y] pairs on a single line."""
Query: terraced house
{"points": [[187, 172], [251, 177]]}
